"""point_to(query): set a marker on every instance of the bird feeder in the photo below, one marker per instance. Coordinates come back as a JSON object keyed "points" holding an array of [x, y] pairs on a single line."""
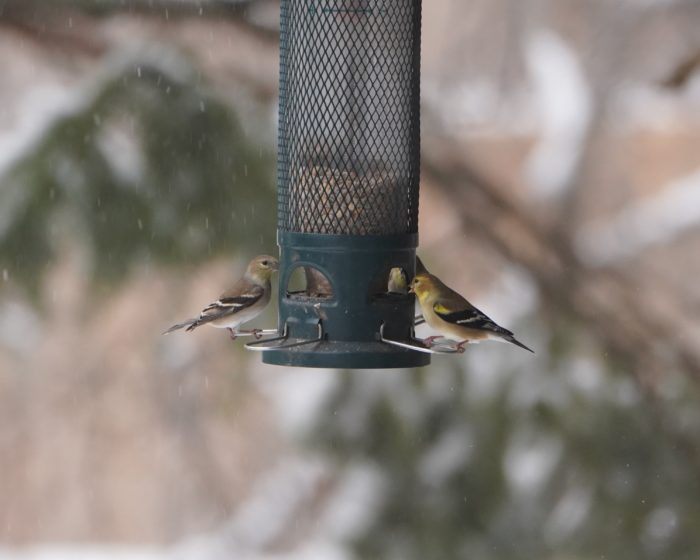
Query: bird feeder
{"points": [[348, 179]]}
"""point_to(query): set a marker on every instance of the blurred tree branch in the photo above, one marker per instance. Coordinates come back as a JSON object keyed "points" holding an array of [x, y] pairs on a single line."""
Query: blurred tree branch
{"points": [[684, 71], [69, 24], [600, 298]]}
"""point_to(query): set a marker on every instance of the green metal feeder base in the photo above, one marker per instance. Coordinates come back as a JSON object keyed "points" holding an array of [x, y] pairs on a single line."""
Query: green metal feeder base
{"points": [[343, 327], [345, 355]]}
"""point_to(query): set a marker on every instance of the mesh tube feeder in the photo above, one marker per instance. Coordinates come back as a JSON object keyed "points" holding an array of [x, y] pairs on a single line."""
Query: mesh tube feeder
{"points": [[348, 180]]}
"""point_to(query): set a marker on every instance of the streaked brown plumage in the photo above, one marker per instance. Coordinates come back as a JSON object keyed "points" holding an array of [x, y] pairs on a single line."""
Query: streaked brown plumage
{"points": [[243, 302]]}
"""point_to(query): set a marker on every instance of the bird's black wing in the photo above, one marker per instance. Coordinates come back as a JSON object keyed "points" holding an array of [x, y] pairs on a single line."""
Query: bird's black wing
{"points": [[229, 304], [470, 318], [225, 305]]}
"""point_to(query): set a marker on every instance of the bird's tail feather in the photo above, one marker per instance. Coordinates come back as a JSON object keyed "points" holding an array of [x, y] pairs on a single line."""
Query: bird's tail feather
{"points": [[190, 324], [515, 341], [193, 325]]}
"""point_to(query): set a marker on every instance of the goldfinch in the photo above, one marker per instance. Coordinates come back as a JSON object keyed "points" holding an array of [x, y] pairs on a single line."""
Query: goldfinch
{"points": [[240, 304], [449, 313], [398, 283]]}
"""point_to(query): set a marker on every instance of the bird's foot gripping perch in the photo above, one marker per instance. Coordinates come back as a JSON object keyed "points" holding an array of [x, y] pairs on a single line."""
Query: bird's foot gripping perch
{"points": [[420, 345], [255, 333], [430, 341], [443, 345]]}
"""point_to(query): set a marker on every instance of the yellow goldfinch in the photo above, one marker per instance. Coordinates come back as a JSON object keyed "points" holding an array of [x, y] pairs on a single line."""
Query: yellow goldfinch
{"points": [[398, 283], [243, 302], [449, 313]]}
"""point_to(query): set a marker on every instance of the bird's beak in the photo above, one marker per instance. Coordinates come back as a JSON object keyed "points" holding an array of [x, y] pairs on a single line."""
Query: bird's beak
{"points": [[276, 266], [411, 290]]}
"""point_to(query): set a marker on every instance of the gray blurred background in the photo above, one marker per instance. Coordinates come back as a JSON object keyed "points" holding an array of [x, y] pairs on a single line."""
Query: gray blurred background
{"points": [[560, 193]]}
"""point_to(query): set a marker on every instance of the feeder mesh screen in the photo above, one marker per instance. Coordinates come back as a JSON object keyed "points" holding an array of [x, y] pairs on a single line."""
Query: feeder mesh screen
{"points": [[349, 116]]}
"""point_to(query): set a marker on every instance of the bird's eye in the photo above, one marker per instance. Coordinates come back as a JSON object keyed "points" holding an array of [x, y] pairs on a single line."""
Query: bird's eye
{"points": [[265, 263]]}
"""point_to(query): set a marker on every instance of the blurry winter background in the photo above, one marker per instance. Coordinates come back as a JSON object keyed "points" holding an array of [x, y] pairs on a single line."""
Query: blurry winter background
{"points": [[560, 193]]}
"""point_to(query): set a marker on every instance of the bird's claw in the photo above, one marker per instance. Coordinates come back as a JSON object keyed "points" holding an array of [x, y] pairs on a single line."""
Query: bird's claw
{"points": [[257, 333], [460, 347], [430, 341]]}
